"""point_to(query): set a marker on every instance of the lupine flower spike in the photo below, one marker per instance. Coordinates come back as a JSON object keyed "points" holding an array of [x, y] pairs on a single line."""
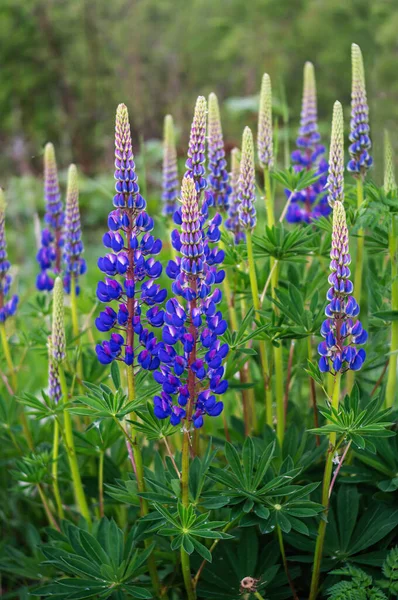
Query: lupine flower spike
{"points": [[335, 182], [49, 256], [170, 169], [233, 223], [310, 203], [342, 332], [265, 148], [390, 184], [197, 147], [8, 304], [360, 161], [218, 173], [75, 265], [58, 342], [130, 259], [54, 385]]}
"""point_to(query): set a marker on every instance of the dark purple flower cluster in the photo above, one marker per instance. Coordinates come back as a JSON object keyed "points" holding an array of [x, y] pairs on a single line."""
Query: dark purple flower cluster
{"points": [[218, 174], [132, 248], [361, 160], [7, 307], [49, 256], [310, 203], [75, 265], [192, 373], [342, 333]]}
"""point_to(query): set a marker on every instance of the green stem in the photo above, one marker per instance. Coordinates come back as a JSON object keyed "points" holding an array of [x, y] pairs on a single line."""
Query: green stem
{"points": [[325, 497], [269, 201], [46, 506], [54, 470], [75, 326], [71, 452], [392, 366], [358, 269], [101, 483], [278, 360], [284, 560], [262, 346], [10, 364], [186, 573], [185, 561]]}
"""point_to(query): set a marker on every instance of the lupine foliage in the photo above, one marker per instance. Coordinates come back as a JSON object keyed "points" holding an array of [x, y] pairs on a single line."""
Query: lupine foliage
{"points": [[208, 417]]}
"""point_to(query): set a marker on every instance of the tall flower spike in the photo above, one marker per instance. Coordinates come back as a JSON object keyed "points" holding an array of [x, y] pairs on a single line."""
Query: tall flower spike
{"points": [[197, 145], [218, 176], [192, 373], [390, 185], [310, 203], [50, 254], [335, 182], [247, 184], [54, 385], [265, 149], [7, 307], [360, 161], [58, 341], [232, 222], [130, 259], [170, 169], [341, 331], [75, 265]]}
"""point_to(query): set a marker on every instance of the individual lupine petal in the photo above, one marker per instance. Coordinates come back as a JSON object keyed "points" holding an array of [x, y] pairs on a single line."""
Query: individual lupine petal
{"points": [[264, 132], [54, 385], [335, 182], [360, 161], [218, 176], [170, 168], [7, 307], [310, 203], [196, 147], [390, 185], [75, 265], [232, 222], [247, 189], [58, 341]]}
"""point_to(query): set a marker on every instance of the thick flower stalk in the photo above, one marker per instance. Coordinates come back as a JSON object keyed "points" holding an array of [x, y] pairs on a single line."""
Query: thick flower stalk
{"points": [[75, 265], [247, 219], [49, 256], [130, 269], [232, 223], [341, 331], [265, 148], [218, 174], [390, 189], [170, 168], [310, 203], [360, 161], [8, 304], [58, 355]]}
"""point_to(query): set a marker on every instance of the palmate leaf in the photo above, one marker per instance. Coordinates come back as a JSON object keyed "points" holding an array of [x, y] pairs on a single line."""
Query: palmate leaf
{"points": [[295, 181], [150, 426], [284, 245]]}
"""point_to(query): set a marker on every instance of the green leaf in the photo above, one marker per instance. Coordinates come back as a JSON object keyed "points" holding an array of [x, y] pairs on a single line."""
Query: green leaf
{"points": [[115, 374]]}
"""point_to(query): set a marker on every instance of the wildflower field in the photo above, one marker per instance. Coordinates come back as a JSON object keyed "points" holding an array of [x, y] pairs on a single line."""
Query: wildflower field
{"points": [[198, 373]]}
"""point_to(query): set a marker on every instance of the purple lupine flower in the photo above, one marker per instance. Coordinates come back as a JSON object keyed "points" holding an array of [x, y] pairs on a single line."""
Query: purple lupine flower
{"points": [[49, 256], [131, 250], [247, 183], [265, 148], [54, 384], [360, 161], [75, 265], [341, 331], [218, 173], [310, 203], [192, 373], [232, 223], [197, 146], [58, 340], [170, 168], [335, 182], [8, 307]]}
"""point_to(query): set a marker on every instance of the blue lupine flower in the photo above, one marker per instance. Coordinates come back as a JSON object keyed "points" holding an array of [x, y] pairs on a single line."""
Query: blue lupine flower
{"points": [[49, 256], [247, 183], [310, 203], [170, 168], [361, 160], [341, 331], [191, 371], [131, 250], [75, 265], [8, 307], [218, 174]]}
